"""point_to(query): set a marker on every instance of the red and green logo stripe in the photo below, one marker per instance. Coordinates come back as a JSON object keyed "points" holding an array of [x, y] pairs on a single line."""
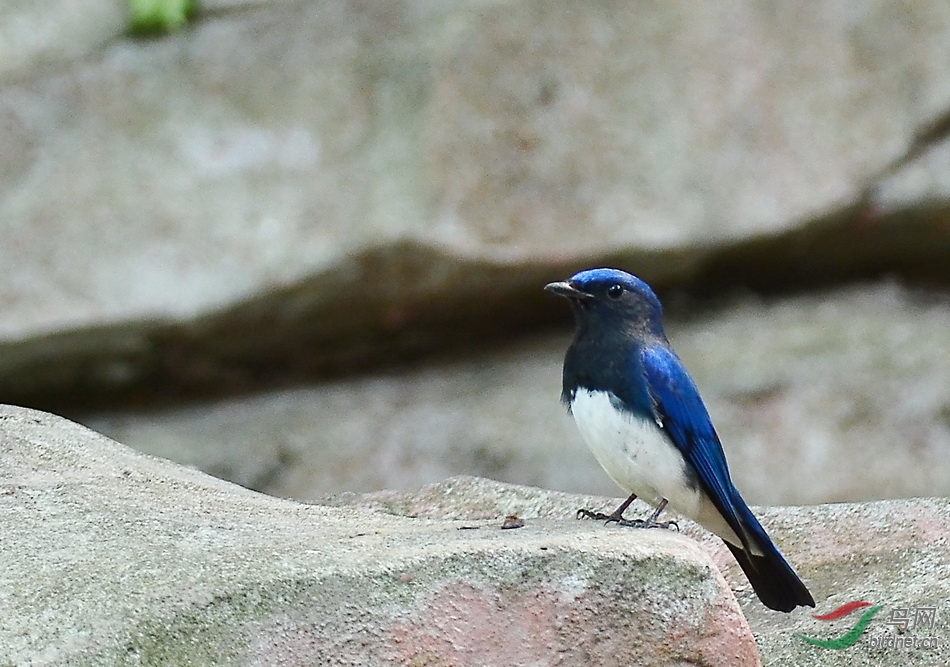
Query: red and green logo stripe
{"points": [[851, 636]]}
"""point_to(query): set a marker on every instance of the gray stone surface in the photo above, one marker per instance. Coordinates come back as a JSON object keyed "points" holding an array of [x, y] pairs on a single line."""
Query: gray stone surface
{"points": [[923, 181], [828, 397], [890, 553], [114, 558], [39, 37]]}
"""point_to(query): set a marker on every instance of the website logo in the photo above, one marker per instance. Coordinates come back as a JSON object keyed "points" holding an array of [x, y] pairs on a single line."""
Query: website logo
{"points": [[850, 637], [901, 618]]}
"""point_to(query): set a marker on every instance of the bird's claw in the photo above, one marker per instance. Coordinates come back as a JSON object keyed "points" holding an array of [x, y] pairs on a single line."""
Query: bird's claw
{"points": [[646, 523], [596, 516], [666, 525]]}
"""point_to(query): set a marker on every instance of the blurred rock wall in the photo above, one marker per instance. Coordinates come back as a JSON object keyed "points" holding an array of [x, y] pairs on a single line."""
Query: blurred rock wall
{"points": [[301, 244]]}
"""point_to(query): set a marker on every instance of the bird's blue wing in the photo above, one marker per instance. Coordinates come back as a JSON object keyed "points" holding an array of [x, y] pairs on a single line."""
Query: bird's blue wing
{"points": [[682, 415]]}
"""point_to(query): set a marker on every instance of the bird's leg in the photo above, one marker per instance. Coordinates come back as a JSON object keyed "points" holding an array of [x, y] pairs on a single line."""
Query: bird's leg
{"points": [[616, 517]]}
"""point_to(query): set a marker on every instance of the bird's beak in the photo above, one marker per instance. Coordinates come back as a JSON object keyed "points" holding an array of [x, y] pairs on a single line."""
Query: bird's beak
{"points": [[565, 289]]}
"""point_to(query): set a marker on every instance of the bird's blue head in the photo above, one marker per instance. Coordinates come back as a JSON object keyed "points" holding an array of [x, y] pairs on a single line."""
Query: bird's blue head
{"points": [[612, 297]]}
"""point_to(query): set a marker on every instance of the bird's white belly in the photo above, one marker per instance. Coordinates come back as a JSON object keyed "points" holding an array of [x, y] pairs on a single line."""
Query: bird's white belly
{"points": [[634, 451], [638, 456]]}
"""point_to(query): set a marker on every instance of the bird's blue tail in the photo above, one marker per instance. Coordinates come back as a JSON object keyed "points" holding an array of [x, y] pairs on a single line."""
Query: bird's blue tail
{"points": [[772, 578]]}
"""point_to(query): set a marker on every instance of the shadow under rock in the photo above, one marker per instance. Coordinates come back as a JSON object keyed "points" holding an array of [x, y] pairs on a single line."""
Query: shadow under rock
{"points": [[398, 305]]}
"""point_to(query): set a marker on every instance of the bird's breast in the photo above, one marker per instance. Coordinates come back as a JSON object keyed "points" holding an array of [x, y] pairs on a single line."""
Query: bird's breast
{"points": [[634, 451]]}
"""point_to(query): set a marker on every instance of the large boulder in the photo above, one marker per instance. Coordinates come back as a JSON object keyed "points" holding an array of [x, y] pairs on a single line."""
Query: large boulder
{"points": [[115, 558]]}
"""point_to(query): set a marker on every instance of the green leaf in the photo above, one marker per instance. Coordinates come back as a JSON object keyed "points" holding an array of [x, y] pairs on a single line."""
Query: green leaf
{"points": [[159, 16]]}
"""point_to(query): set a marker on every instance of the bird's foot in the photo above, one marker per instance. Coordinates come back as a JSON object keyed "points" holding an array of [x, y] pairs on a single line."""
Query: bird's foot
{"points": [[665, 525], [626, 523], [599, 516], [647, 523], [617, 515]]}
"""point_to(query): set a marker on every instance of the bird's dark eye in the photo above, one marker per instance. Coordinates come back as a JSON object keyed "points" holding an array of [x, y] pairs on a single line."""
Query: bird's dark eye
{"points": [[615, 291]]}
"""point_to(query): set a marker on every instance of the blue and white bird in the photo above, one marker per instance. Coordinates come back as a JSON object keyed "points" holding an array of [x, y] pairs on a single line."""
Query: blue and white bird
{"points": [[641, 415]]}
